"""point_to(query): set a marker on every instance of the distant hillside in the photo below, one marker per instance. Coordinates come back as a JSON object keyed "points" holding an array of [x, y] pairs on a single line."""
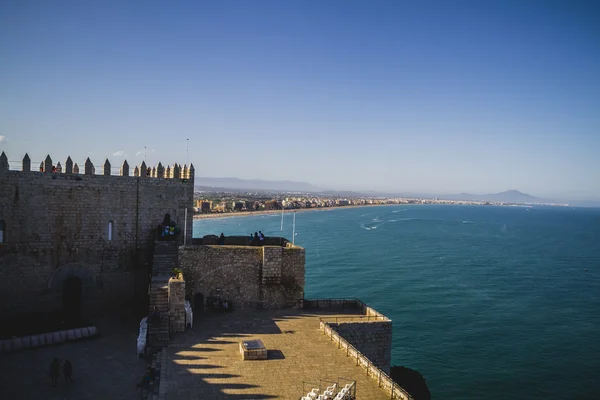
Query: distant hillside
{"points": [[512, 196], [509, 196], [255, 184]]}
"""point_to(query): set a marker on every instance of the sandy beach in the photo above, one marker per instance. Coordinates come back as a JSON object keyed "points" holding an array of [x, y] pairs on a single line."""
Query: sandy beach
{"points": [[249, 213]]}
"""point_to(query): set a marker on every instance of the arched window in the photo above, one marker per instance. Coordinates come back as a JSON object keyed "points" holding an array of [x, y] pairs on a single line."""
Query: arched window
{"points": [[110, 230], [2, 231]]}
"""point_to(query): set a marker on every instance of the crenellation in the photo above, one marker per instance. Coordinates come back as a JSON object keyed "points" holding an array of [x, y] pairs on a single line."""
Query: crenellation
{"points": [[124, 171], [185, 171], [89, 167], [106, 168], [48, 164], [69, 166], [4, 163], [176, 171], [26, 166], [143, 170]]}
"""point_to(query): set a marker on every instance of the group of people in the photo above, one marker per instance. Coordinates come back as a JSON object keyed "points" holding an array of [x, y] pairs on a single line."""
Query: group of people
{"points": [[258, 239], [55, 368], [169, 230]]}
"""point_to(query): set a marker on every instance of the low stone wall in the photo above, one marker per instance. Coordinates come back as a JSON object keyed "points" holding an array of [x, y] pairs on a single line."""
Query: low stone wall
{"points": [[372, 338], [47, 339], [360, 329], [210, 240]]}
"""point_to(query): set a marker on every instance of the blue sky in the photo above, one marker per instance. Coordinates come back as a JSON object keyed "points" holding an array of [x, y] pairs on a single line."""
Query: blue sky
{"points": [[428, 96]]}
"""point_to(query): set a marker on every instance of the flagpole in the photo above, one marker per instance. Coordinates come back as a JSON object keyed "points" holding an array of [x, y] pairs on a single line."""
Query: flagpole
{"points": [[294, 230], [187, 149]]}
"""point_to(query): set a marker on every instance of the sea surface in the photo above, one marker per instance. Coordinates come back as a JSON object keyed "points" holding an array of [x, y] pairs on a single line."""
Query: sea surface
{"points": [[486, 302]]}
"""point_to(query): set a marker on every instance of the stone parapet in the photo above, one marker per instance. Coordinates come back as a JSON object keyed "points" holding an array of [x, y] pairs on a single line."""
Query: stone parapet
{"points": [[176, 304], [367, 338]]}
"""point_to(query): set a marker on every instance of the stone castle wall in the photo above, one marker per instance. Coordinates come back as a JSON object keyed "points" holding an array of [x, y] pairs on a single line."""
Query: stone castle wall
{"points": [[248, 276], [371, 338], [56, 225]]}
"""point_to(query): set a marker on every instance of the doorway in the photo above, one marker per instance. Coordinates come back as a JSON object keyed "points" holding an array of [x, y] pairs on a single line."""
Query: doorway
{"points": [[71, 298], [198, 303]]}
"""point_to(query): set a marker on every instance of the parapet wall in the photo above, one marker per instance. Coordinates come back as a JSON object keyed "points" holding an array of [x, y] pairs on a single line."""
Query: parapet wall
{"points": [[372, 338], [176, 171], [248, 276], [366, 339]]}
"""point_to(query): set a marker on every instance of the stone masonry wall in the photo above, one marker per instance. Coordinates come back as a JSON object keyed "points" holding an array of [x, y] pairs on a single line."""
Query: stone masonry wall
{"points": [[176, 305], [238, 271], [54, 220], [373, 339]]}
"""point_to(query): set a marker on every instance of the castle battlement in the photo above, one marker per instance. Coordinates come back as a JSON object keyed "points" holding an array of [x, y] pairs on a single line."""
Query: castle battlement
{"points": [[175, 171]]}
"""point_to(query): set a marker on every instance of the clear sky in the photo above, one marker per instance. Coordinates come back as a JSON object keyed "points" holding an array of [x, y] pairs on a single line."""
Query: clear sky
{"points": [[421, 96]]}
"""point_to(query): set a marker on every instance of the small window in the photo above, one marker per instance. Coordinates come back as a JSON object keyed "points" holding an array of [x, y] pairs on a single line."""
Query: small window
{"points": [[2, 229], [110, 230]]}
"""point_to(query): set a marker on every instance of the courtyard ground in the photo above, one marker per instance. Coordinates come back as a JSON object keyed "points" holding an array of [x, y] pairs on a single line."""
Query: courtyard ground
{"points": [[205, 362], [103, 368]]}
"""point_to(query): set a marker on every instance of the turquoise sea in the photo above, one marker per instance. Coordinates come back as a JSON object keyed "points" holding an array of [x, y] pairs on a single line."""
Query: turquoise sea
{"points": [[487, 302]]}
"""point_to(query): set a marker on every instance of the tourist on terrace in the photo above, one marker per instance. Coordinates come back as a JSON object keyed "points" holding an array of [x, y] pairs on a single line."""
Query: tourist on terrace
{"points": [[256, 240], [54, 371], [222, 239], [68, 372], [251, 238], [261, 236]]}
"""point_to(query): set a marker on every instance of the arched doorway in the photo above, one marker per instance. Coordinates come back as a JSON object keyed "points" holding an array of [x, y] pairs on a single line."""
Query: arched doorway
{"points": [[71, 298], [198, 303]]}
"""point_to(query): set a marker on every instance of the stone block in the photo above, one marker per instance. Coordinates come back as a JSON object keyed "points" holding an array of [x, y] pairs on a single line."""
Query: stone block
{"points": [[56, 338], [49, 338], [253, 350]]}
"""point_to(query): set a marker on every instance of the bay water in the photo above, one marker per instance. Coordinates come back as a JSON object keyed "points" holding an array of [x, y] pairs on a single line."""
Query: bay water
{"points": [[487, 302]]}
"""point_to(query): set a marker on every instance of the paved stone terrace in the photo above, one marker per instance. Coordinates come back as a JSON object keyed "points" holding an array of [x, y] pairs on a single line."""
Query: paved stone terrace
{"points": [[205, 362], [103, 368]]}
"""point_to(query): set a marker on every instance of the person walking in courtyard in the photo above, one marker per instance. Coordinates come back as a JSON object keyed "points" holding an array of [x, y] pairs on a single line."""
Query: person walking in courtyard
{"points": [[68, 372], [54, 371]]}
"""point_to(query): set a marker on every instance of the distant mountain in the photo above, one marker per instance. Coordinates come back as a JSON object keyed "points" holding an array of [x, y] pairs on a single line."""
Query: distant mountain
{"points": [[255, 184], [512, 196], [509, 196]]}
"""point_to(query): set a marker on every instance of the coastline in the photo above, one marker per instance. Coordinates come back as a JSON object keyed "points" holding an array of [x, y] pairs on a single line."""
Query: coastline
{"points": [[263, 212]]}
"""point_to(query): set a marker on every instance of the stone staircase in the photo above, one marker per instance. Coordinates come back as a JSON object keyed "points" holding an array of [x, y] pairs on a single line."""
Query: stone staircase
{"points": [[158, 332], [166, 257]]}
